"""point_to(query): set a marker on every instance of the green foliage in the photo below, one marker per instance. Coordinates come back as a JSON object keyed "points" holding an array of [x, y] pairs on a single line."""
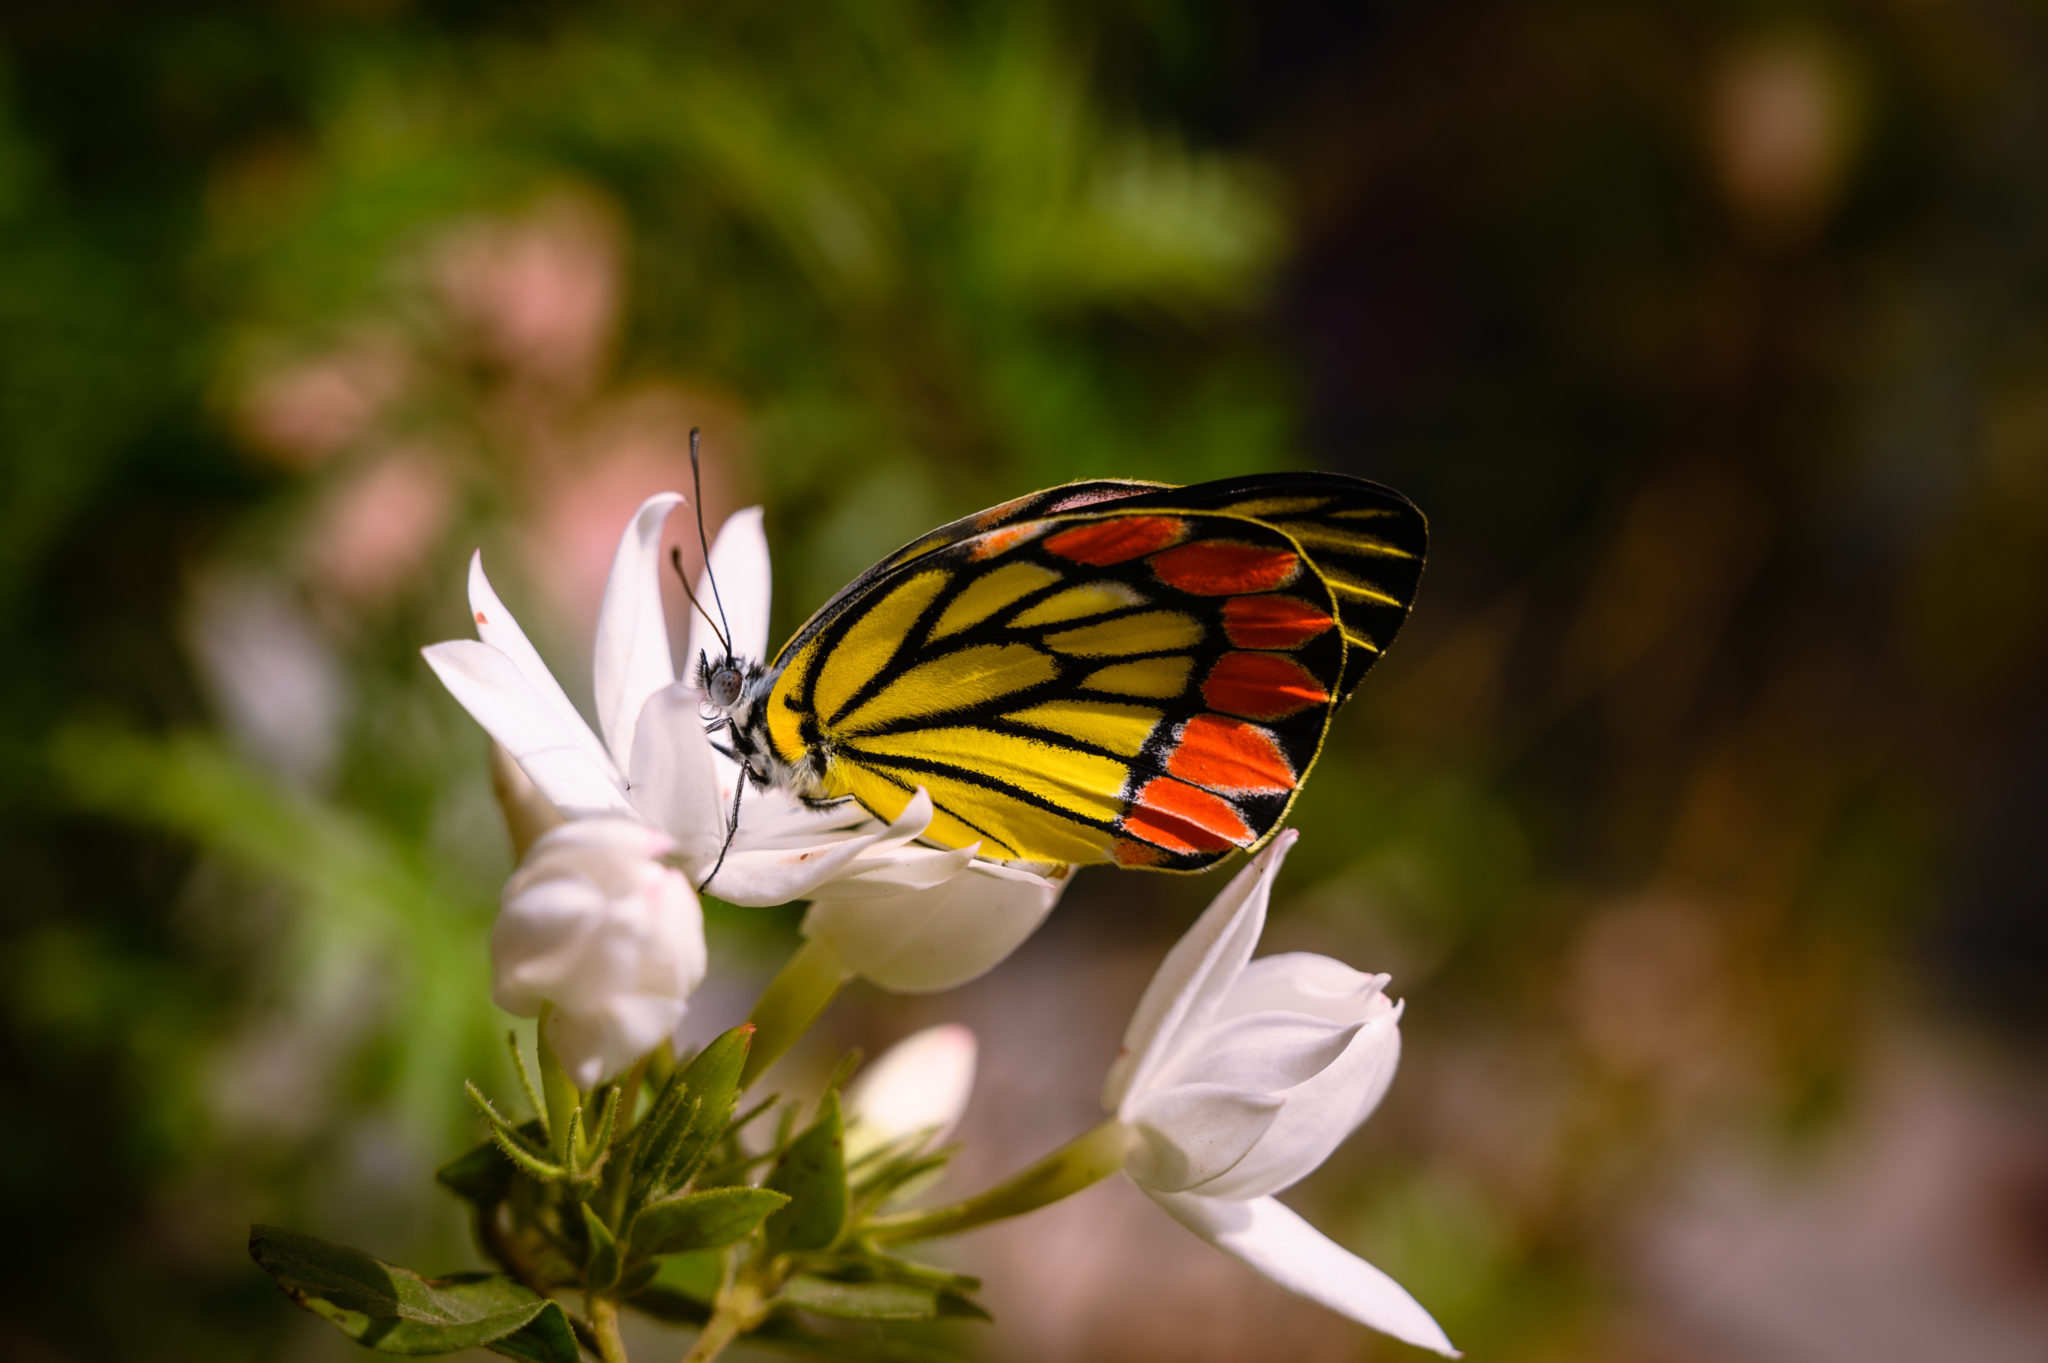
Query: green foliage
{"points": [[712, 1219], [811, 1173], [395, 1311], [693, 1111]]}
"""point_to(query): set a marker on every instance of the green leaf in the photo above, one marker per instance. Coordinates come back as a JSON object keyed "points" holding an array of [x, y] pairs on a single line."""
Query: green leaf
{"points": [[689, 1116], [395, 1311], [601, 1271], [860, 1301], [480, 1174], [706, 1220], [812, 1173], [682, 1289]]}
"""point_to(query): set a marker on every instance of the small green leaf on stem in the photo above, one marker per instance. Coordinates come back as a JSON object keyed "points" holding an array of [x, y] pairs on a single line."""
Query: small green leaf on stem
{"points": [[689, 1117], [704, 1220], [812, 1173], [396, 1311], [526, 1084], [601, 1270]]}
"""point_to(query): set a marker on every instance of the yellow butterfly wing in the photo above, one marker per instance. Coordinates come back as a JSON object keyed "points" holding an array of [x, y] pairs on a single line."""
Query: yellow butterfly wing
{"points": [[1146, 679]]}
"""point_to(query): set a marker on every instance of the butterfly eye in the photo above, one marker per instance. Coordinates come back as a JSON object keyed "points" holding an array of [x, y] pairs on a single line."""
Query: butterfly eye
{"points": [[723, 689]]}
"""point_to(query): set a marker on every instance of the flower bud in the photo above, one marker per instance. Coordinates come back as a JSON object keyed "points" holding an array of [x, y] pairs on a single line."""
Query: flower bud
{"points": [[919, 1085], [595, 925]]}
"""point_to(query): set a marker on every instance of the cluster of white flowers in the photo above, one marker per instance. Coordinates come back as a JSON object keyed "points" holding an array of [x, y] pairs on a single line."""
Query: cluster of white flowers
{"points": [[1237, 1077]]}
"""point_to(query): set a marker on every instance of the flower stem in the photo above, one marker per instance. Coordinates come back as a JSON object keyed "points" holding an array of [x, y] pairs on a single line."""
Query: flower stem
{"points": [[807, 982], [739, 1310], [1087, 1159], [557, 1089], [604, 1323]]}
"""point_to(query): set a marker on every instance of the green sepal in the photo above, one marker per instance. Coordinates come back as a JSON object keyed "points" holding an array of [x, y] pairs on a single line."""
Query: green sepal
{"points": [[688, 1118], [812, 1173], [707, 1220], [396, 1311], [601, 1269]]}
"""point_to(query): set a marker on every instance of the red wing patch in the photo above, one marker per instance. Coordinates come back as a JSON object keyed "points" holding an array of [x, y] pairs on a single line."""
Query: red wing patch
{"points": [[1117, 539], [1184, 818], [1261, 686], [1225, 567], [1273, 621], [1229, 754]]}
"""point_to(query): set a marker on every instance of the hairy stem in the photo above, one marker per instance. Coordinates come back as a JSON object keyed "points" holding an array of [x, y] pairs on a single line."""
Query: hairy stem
{"points": [[1087, 1159], [739, 1310], [791, 1003], [604, 1323]]}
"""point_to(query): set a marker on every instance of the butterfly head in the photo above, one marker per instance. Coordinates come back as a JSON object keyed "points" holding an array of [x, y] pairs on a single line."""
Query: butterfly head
{"points": [[723, 683], [735, 692]]}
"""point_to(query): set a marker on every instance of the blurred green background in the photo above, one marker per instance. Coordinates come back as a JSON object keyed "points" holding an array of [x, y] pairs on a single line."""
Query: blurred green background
{"points": [[1696, 814]]}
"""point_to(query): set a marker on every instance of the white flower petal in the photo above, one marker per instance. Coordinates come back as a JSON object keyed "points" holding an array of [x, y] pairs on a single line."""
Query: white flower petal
{"points": [[924, 941], [899, 871], [496, 626], [1189, 1134], [739, 560], [1269, 1052], [1193, 978], [673, 780], [1294, 1254], [550, 751], [1303, 982], [632, 659], [1322, 1110], [760, 878]]}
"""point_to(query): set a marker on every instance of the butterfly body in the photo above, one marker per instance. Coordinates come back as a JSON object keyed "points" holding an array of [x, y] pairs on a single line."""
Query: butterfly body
{"points": [[1105, 671]]}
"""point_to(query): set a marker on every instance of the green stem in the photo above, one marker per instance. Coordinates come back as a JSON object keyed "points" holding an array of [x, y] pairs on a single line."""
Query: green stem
{"points": [[604, 1323], [739, 1310], [791, 1003], [1087, 1159], [557, 1089]]}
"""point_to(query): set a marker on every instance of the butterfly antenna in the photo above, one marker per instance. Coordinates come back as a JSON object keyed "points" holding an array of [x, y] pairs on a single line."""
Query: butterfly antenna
{"points": [[697, 491], [732, 829], [675, 561]]}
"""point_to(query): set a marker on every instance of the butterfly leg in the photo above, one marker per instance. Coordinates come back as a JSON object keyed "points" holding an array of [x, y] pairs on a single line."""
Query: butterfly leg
{"points": [[824, 803], [732, 828]]}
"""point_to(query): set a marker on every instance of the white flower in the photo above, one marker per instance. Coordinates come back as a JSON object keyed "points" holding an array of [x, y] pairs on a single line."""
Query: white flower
{"points": [[1238, 1078], [594, 925], [919, 1086], [655, 764]]}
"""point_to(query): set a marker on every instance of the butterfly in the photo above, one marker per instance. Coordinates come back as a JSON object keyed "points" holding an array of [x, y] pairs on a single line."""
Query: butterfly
{"points": [[1105, 671]]}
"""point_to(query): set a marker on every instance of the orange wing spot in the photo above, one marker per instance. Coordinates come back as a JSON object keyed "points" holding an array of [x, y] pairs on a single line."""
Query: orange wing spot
{"points": [[1130, 853], [1183, 818], [1261, 686], [1225, 567], [1000, 541], [1117, 539], [1273, 621], [1229, 754], [480, 618]]}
